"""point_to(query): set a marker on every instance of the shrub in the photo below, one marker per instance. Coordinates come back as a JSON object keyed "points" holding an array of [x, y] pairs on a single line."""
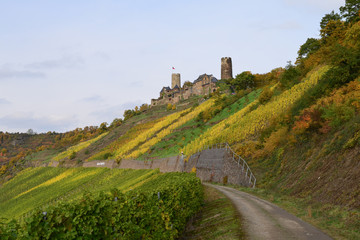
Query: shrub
{"points": [[290, 76], [338, 114], [265, 96], [72, 155], [243, 81]]}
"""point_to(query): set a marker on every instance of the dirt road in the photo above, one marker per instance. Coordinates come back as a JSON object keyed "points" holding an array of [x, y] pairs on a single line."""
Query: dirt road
{"points": [[264, 220]]}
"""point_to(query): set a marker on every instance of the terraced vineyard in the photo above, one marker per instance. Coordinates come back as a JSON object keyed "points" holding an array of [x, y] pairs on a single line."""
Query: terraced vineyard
{"points": [[246, 122], [35, 187], [78, 147], [190, 130], [158, 207]]}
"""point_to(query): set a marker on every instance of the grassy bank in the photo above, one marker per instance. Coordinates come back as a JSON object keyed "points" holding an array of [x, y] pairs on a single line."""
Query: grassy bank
{"points": [[218, 219]]}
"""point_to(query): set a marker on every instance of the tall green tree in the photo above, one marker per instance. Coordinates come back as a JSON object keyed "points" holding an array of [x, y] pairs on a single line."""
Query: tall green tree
{"points": [[329, 17], [311, 45], [243, 81], [351, 10]]}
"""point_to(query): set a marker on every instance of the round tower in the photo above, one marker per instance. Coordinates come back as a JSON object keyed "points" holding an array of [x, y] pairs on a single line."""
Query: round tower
{"points": [[175, 80], [226, 68]]}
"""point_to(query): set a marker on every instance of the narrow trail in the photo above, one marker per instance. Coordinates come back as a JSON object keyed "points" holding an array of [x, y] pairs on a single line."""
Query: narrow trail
{"points": [[264, 220]]}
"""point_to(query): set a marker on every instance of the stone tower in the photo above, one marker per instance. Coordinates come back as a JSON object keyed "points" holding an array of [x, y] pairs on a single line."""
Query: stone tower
{"points": [[175, 80], [226, 68]]}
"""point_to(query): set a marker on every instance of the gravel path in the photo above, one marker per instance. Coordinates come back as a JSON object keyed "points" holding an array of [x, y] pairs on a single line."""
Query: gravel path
{"points": [[264, 220]]}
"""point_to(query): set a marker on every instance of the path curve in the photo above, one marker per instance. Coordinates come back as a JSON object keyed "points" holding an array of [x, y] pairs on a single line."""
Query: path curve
{"points": [[264, 220]]}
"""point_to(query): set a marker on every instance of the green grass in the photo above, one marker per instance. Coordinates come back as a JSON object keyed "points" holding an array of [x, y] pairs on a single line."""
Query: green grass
{"points": [[44, 156], [36, 187], [218, 219]]}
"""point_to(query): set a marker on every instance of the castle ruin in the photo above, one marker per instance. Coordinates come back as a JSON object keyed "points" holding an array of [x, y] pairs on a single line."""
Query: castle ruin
{"points": [[203, 85], [226, 68], [175, 80]]}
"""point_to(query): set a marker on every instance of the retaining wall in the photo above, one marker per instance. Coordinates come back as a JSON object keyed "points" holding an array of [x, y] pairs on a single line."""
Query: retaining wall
{"points": [[212, 165], [169, 164]]}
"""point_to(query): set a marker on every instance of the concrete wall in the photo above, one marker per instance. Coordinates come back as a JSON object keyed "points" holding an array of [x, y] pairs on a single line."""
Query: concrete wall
{"points": [[212, 165], [100, 163], [169, 164]]}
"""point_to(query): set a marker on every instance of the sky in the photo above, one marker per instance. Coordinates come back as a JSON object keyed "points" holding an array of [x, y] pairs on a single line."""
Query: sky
{"points": [[74, 63]]}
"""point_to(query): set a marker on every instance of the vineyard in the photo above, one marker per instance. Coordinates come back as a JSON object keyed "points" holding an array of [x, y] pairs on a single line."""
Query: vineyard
{"points": [[157, 209], [246, 122], [182, 119], [35, 187], [109, 151], [78, 147], [184, 134]]}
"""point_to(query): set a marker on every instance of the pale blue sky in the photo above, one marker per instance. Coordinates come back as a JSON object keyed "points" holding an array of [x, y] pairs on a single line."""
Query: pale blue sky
{"points": [[67, 64]]}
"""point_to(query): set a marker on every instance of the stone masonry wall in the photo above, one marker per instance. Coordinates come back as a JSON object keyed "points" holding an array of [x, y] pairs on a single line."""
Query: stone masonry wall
{"points": [[226, 68], [175, 80]]}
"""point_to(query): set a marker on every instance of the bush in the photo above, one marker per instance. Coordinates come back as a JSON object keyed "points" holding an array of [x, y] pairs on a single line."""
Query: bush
{"points": [[243, 81], [334, 77], [265, 96], [290, 76], [72, 155], [337, 115]]}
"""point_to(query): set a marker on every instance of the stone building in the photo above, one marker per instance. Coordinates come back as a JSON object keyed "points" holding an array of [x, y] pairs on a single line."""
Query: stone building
{"points": [[203, 85], [175, 80], [226, 68]]}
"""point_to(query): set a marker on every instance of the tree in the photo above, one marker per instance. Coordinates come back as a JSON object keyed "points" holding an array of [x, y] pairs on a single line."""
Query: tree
{"points": [[144, 107], [169, 106], [188, 84], [103, 126], [72, 155], [243, 81], [311, 45], [128, 114], [265, 96], [136, 109], [290, 76], [351, 11], [334, 29], [116, 122], [329, 17], [30, 132]]}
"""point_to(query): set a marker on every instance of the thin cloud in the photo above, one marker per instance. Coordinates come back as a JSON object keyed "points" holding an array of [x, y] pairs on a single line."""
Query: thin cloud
{"points": [[93, 99], [288, 26], [4, 101], [112, 112], [323, 5], [22, 121], [64, 62], [9, 73]]}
